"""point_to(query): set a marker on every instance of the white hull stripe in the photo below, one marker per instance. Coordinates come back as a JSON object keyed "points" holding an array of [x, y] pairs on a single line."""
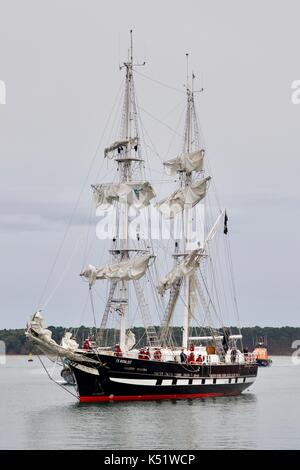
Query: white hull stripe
{"points": [[135, 381], [209, 381], [250, 380]]}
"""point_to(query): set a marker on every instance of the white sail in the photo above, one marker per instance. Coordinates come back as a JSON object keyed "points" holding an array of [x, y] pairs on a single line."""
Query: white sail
{"points": [[184, 268], [186, 162], [191, 195], [131, 269], [120, 144], [136, 194], [68, 342], [188, 265]]}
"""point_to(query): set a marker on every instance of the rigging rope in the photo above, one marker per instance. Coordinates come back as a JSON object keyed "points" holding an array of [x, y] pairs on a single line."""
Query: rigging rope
{"points": [[76, 204], [159, 82], [51, 378], [161, 122], [49, 298], [92, 305]]}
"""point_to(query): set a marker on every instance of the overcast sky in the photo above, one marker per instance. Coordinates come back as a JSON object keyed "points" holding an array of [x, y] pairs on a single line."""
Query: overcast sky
{"points": [[59, 60]]}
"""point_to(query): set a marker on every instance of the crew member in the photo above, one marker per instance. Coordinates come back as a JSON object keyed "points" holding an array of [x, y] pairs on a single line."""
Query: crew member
{"points": [[141, 354], [147, 354], [118, 351], [191, 358], [87, 344], [233, 355], [183, 356], [157, 354]]}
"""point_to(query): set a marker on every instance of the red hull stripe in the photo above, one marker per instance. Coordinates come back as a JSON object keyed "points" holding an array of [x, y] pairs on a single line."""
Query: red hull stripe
{"points": [[98, 399]]}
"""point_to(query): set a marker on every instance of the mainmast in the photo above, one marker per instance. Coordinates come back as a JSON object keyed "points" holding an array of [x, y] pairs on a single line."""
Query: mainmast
{"points": [[193, 186], [187, 177]]}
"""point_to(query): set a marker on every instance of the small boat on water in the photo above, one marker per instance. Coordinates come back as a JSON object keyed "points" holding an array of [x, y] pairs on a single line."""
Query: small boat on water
{"points": [[261, 354]]}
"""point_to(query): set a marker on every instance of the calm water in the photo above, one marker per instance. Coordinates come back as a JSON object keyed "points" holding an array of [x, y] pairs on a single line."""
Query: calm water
{"points": [[37, 414]]}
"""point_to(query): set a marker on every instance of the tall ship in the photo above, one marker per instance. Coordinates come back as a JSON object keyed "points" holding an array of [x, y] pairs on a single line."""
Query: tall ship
{"points": [[171, 287]]}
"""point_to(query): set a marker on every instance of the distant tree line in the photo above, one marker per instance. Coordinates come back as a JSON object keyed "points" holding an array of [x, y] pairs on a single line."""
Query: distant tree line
{"points": [[279, 340]]}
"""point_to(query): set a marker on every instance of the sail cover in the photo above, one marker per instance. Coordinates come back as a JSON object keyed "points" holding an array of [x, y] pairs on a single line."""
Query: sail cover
{"points": [[191, 195], [184, 268], [186, 162], [131, 269], [136, 194]]}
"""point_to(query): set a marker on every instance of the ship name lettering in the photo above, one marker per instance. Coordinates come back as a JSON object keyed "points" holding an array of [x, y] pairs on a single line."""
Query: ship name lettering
{"points": [[124, 361]]}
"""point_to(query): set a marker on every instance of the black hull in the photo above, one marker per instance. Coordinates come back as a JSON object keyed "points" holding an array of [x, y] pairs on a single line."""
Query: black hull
{"points": [[124, 379]]}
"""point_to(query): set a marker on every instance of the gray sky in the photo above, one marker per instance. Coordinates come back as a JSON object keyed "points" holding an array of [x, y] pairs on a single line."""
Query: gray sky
{"points": [[59, 60]]}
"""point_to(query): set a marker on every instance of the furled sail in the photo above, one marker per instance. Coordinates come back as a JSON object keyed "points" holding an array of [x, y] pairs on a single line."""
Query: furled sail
{"points": [[186, 162], [128, 270], [120, 144], [188, 265], [137, 194], [191, 195], [184, 268]]}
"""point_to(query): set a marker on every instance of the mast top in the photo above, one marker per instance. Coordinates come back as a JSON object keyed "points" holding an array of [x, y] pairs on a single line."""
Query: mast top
{"points": [[131, 47], [129, 64]]}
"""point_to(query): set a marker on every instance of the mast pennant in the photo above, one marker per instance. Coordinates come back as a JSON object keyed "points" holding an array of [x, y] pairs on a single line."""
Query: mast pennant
{"points": [[225, 223], [136, 194], [187, 162], [191, 195], [128, 270]]}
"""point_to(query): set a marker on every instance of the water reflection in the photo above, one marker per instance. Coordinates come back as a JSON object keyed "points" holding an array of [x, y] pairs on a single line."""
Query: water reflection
{"points": [[48, 418], [203, 423]]}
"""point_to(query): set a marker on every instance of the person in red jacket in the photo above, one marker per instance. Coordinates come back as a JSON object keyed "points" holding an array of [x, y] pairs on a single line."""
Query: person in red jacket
{"points": [[147, 354], [87, 344], [191, 358], [118, 351], [199, 359], [141, 353]]}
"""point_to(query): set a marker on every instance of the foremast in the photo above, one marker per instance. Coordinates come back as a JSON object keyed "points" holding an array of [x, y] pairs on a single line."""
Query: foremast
{"points": [[125, 171], [129, 263]]}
